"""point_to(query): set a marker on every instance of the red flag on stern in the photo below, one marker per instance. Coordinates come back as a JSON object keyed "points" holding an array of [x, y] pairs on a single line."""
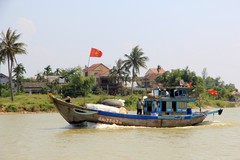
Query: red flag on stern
{"points": [[189, 84], [95, 53], [213, 92]]}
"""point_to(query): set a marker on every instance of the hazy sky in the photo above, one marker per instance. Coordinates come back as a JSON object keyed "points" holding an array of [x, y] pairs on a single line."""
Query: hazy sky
{"points": [[172, 33]]}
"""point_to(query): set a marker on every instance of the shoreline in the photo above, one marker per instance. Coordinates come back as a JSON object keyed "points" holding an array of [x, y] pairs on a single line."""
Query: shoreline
{"points": [[24, 112]]}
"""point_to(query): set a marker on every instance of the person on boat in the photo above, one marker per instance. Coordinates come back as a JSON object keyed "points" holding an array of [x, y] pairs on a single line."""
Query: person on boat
{"points": [[68, 99], [139, 106], [155, 105], [166, 93]]}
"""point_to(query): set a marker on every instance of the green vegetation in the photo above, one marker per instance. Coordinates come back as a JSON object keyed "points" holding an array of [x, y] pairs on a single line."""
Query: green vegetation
{"points": [[42, 103], [27, 103]]}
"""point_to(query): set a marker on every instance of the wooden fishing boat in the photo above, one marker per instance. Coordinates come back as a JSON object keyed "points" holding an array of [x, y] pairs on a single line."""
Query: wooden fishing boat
{"points": [[171, 111]]}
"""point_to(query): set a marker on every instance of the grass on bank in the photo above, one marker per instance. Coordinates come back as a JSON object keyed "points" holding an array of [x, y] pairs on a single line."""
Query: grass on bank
{"points": [[42, 103]]}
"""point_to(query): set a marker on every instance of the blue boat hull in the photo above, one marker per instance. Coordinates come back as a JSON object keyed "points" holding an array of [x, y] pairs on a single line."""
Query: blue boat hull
{"points": [[76, 115]]}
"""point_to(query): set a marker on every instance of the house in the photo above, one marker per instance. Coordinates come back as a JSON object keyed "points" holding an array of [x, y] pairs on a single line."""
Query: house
{"points": [[148, 81], [3, 78], [155, 71], [96, 70], [101, 73], [33, 87], [51, 78]]}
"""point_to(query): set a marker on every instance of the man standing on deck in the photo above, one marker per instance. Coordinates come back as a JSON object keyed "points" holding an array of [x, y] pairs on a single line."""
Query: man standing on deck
{"points": [[139, 107]]}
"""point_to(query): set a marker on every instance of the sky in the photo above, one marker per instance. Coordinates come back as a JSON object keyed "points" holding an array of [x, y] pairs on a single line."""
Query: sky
{"points": [[172, 33]]}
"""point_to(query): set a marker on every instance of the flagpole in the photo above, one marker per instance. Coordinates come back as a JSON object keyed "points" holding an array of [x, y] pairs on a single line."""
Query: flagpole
{"points": [[88, 61]]}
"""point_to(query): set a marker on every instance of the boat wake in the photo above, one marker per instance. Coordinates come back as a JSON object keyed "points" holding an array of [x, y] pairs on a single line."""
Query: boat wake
{"points": [[104, 126], [100, 125], [90, 125], [215, 124]]}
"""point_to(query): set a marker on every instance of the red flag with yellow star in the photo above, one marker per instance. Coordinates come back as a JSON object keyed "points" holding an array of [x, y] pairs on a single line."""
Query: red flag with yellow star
{"points": [[213, 92], [95, 53]]}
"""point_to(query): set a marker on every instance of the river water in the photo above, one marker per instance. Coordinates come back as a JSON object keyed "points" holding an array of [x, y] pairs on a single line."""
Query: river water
{"points": [[50, 137]]}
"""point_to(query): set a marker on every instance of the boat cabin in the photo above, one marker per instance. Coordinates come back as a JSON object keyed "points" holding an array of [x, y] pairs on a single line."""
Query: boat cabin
{"points": [[171, 101]]}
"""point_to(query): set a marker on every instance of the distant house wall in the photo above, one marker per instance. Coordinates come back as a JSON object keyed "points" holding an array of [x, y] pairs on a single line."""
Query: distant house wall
{"points": [[51, 78], [33, 87], [97, 70], [3, 78]]}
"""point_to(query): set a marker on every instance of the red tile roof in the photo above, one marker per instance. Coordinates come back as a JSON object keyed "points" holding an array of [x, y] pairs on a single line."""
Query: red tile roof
{"points": [[92, 67], [154, 70], [98, 72], [151, 76]]}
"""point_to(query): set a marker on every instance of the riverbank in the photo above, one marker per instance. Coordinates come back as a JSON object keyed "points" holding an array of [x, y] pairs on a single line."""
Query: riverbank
{"points": [[25, 103], [25, 112]]}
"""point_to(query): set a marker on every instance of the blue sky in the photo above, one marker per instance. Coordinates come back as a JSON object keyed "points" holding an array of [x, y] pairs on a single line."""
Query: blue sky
{"points": [[172, 33]]}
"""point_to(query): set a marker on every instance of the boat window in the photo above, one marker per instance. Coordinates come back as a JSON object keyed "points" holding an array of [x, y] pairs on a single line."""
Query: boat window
{"points": [[171, 93], [180, 92], [174, 106], [164, 106]]}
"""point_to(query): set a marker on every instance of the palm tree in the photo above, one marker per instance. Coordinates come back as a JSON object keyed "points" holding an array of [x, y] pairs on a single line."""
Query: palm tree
{"points": [[19, 70], [47, 71], [135, 60], [58, 71], [39, 77], [119, 71], [159, 68], [9, 48]]}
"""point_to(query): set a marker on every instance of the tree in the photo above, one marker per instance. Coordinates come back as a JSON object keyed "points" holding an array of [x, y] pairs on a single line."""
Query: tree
{"points": [[9, 48], [204, 73], [173, 78], [39, 77], [78, 86], [58, 71], [159, 68], [18, 71], [135, 60], [47, 71], [67, 73], [119, 71], [163, 78]]}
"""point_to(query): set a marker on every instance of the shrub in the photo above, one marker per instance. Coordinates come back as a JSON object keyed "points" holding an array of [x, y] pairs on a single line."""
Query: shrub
{"points": [[5, 93], [45, 90], [11, 108]]}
